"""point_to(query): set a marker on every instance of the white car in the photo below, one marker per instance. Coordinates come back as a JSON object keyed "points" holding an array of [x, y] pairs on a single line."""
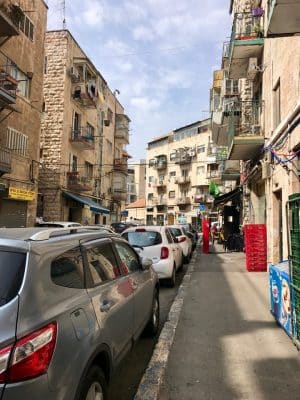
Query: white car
{"points": [[157, 243], [183, 240]]}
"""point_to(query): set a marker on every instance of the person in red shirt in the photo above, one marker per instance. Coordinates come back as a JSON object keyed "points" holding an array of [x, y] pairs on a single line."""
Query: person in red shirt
{"points": [[205, 233]]}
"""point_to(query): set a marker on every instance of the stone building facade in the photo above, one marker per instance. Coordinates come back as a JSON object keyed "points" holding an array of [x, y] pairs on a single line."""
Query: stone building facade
{"points": [[79, 147], [22, 34], [259, 122], [181, 166]]}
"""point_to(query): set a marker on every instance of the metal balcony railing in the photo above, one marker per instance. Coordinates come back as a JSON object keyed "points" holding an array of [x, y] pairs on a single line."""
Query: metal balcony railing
{"points": [[77, 182], [183, 200], [245, 27], [182, 180], [8, 86], [83, 137]]}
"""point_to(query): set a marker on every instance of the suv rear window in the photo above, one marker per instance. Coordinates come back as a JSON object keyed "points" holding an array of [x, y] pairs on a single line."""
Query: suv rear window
{"points": [[12, 267], [143, 239], [176, 232]]}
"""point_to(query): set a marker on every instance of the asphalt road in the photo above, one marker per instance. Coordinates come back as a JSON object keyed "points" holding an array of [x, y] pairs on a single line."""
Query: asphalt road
{"points": [[128, 375]]}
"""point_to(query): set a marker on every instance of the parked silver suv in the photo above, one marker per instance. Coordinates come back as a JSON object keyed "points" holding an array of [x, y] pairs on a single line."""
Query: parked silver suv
{"points": [[72, 302]]}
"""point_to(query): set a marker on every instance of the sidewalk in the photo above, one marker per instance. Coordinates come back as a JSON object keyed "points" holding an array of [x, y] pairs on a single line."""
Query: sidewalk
{"points": [[227, 345]]}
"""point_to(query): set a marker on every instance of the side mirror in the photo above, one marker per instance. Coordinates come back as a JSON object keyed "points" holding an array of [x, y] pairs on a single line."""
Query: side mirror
{"points": [[146, 263]]}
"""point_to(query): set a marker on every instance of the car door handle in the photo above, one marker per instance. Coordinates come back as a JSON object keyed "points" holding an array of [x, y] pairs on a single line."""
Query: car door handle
{"points": [[106, 306]]}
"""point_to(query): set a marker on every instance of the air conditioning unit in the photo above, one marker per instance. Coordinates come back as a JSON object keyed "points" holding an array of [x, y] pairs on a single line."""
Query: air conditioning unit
{"points": [[192, 152], [74, 73], [253, 68]]}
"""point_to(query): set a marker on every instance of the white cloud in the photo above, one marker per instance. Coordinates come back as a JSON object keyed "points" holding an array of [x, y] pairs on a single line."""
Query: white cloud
{"points": [[143, 33], [145, 104]]}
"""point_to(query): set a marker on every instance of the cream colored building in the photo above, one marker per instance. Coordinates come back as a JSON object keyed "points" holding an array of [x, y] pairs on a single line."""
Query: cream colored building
{"points": [[84, 130], [181, 166], [22, 31], [136, 180], [136, 212], [255, 111]]}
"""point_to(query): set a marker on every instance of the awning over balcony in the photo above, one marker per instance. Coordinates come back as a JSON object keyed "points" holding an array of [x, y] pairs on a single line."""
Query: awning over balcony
{"points": [[94, 207], [234, 194]]}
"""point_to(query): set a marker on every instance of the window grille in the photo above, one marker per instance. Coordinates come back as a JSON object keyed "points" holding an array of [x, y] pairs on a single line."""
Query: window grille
{"points": [[17, 142]]}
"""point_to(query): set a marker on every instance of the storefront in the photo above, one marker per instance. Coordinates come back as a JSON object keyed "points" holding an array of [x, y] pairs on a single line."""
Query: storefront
{"points": [[13, 207]]}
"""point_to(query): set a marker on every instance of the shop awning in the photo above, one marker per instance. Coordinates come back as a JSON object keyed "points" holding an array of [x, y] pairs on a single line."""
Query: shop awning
{"points": [[234, 194], [94, 207]]}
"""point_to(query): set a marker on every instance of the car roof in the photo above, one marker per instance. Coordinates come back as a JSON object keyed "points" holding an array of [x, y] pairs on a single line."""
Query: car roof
{"points": [[28, 234], [156, 228], [63, 223]]}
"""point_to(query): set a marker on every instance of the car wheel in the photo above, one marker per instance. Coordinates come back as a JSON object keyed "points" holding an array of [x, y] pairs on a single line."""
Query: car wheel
{"points": [[187, 259], [153, 323], [172, 280], [94, 386]]}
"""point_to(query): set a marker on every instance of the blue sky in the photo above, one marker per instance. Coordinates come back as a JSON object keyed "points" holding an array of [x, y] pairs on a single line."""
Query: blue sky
{"points": [[160, 55]]}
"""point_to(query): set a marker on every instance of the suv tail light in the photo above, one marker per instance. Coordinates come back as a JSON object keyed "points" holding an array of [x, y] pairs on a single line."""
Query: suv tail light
{"points": [[164, 253], [182, 239], [140, 230], [29, 357]]}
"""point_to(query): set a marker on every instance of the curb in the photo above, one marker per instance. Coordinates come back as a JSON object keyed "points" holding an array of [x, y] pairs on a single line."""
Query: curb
{"points": [[152, 380]]}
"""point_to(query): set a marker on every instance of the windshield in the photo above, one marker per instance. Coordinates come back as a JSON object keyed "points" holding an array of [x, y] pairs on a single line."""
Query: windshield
{"points": [[143, 239], [12, 266], [176, 232]]}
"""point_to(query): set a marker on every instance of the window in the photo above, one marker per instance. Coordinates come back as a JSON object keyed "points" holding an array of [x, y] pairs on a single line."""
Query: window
{"points": [[73, 163], [151, 179], [129, 260], [67, 270], [176, 232], [201, 149], [200, 170], [102, 263], [172, 173], [172, 156], [12, 267], [276, 105], [76, 123], [88, 170], [23, 80], [172, 194], [109, 115], [26, 26], [17, 142], [90, 131], [45, 65], [144, 239], [169, 236], [150, 196]]}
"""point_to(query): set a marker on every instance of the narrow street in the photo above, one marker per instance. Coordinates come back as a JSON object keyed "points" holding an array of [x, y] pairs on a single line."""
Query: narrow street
{"points": [[128, 375], [227, 344]]}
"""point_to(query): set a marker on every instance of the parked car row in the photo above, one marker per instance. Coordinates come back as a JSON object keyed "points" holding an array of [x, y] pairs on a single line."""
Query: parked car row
{"points": [[169, 247]]}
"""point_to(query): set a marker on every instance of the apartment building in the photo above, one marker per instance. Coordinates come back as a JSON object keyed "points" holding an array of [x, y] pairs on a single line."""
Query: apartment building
{"points": [[22, 32], [83, 161], [136, 181], [181, 166], [255, 111]]}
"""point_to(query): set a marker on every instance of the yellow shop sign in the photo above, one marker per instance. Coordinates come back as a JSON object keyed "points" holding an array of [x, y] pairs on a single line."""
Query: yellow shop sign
{"points": [[20, 194]]}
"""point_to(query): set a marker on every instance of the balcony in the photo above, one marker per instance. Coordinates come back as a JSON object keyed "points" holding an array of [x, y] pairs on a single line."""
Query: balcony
{"points": [[5, 161], [183, 180], [122, 128], [225, 55], [183, 201], [82, 138], [245, 135], [119, 195], [120, 164], [182, 159], [214, 175], [161, 183], [230, 170], [79, 183], [246, 42], [8, 89], [218, 79], [283, 18], [9, 20], [161, 201], [160, 163], [85, 94]]}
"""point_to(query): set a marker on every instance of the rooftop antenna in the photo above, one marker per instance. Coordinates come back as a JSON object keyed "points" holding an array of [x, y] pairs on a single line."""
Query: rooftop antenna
{"points": [[64, 14]]}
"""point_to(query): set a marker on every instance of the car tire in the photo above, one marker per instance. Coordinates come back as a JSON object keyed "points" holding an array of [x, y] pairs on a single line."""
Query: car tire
{"points": [[153, 323], [172, 280], [186, 259], [94, 385]]}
